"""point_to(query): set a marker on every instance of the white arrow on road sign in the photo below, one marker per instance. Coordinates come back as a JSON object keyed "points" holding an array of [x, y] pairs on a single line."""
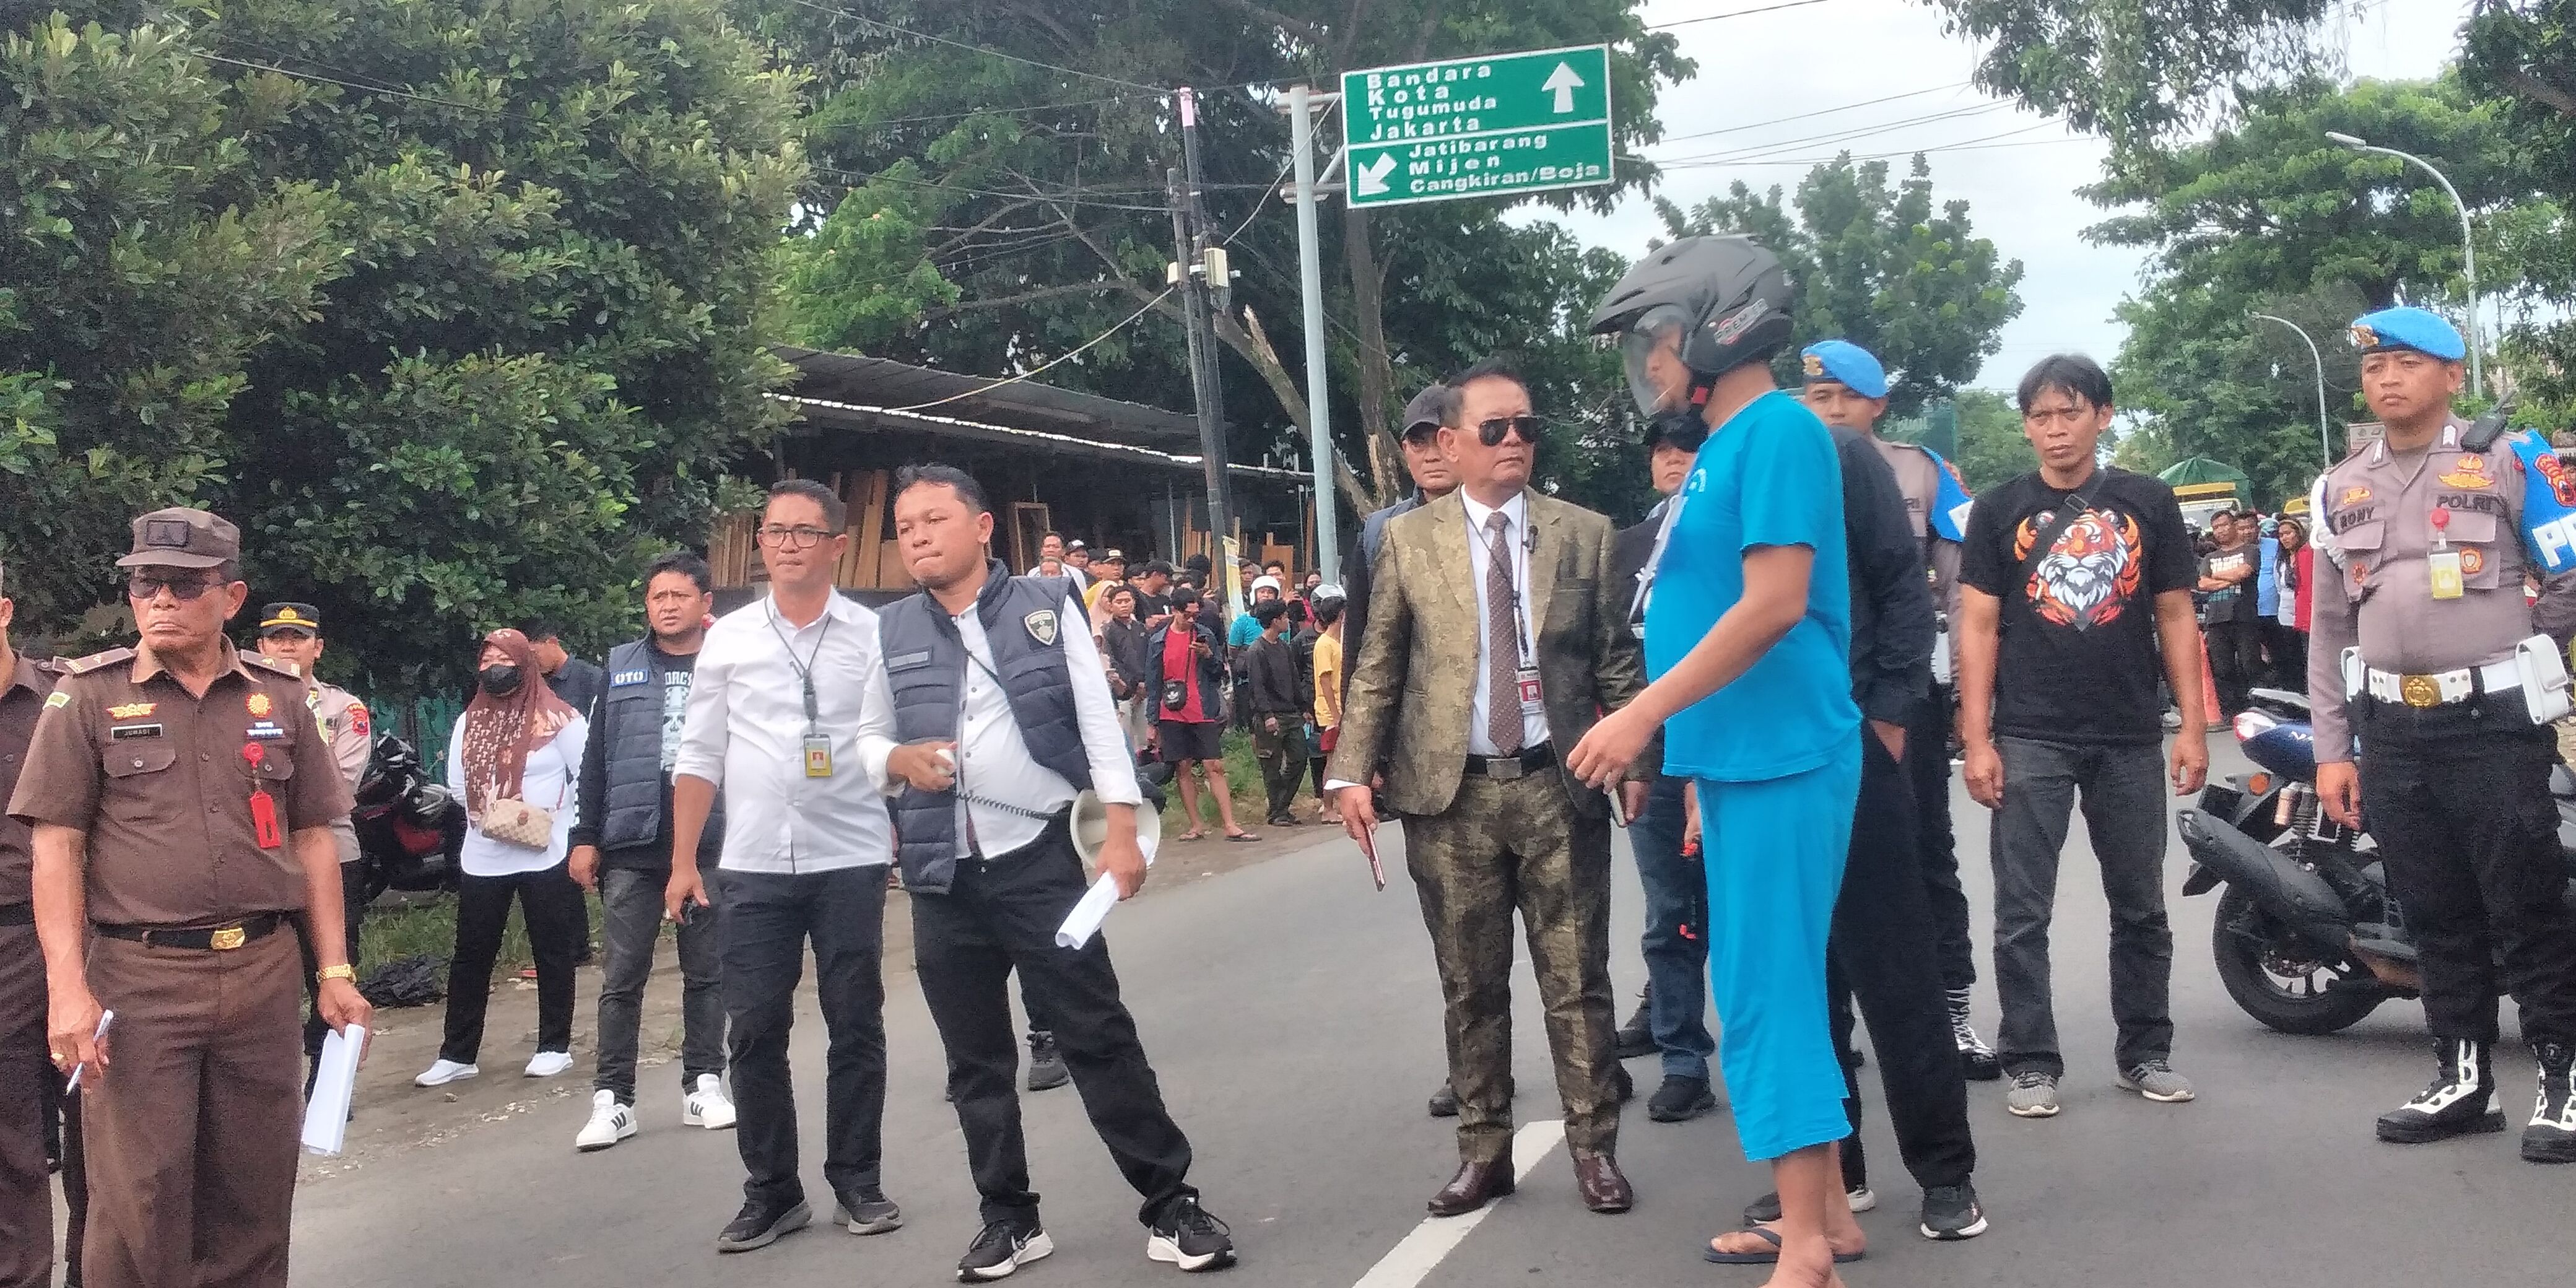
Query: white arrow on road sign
{"points": [[1373, 175], [1563, 82]]}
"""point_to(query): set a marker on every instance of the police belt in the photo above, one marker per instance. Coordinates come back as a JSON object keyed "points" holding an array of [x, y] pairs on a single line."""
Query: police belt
{"points": [[2446, 687], [1506, 768], [215, 938]]}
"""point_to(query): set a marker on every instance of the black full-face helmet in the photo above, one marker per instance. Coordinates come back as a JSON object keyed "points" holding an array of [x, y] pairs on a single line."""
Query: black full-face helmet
{"points": [[1692, 312]]}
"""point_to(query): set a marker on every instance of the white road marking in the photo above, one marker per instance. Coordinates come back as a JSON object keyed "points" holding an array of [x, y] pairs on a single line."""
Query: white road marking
{"points": [[1413, 1260]]}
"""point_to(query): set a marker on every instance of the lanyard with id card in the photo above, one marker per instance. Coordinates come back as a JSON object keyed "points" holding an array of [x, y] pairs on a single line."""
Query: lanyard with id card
{"points": [[2442, 563], [818, 744]]}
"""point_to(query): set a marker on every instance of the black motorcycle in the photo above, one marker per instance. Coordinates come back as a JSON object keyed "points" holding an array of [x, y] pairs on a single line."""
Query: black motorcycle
{"points": [[2306, 937], [410, 827]]}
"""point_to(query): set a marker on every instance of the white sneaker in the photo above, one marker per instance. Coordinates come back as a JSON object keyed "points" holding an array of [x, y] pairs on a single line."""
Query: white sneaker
{"points": [[547, 1064], [445, 1072], [707, 1106], [610, 1122]]}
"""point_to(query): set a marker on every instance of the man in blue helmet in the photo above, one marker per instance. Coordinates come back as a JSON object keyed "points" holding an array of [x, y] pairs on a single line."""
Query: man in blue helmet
{"points": [[2426, 649]]}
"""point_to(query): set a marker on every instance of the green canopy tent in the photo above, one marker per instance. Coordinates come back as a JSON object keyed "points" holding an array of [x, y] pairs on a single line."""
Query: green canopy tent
{"points": [[2201, 469]]}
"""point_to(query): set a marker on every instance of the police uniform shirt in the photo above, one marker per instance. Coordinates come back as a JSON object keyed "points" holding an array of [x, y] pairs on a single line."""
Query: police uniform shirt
{"points": [[1919, 478], [2378, 508], [347, 731], [162, 781], [23, 686]]}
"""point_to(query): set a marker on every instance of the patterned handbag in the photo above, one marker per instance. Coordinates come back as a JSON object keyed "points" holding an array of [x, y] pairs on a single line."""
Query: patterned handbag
{"points": [[516, 822]]}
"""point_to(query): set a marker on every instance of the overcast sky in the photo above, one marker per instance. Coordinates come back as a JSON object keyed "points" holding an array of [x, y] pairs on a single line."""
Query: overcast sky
{"points": [[2019, 173]]}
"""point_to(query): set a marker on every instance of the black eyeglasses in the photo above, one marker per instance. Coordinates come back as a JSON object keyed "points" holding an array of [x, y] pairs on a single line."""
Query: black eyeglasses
{"points": [[184, 587], [1491, 432], [797, 538]]}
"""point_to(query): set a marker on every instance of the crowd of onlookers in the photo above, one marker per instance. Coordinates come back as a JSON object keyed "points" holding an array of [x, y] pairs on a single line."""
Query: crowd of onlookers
{"points": [[2252, 597], [1273, 671]]}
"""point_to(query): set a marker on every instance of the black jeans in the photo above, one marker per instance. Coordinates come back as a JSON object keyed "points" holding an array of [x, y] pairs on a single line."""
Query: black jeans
{"points": [[630, 906], [2123, 791], [2235, 662], [1003, 913], [552, 906], [2467, 828], [767, 917], [353, 903], [1283, 759], [2288, 646], [1927, 770], [1881, 950]]}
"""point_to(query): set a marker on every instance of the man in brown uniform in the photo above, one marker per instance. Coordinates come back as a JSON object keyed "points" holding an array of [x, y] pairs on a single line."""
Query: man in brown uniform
{"points": [[292, 634], [26, 1198], [182, 800]]}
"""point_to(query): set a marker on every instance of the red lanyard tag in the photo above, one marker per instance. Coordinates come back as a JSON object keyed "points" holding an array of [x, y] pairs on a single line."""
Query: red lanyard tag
{"points": [[263, 807]]}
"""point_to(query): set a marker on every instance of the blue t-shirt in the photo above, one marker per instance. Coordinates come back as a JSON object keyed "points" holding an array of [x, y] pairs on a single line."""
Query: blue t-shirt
{"points": [[1767, 477], [1243, 631]]}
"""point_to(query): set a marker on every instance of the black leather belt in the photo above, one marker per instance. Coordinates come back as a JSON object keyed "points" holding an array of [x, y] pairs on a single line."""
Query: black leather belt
{"points": [[221, 939], [17, 914], [1506, 768]]}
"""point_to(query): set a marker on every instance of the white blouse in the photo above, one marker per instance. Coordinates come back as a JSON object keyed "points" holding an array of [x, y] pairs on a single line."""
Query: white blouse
{"points": [[550, 782]]}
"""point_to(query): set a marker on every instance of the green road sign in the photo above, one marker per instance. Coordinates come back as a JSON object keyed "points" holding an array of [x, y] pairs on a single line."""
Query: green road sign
{"points": [[1477, 127]]}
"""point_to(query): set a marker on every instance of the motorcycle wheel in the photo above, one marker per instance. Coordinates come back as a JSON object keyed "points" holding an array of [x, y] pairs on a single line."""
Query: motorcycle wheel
{"points": [[2278, 980]]}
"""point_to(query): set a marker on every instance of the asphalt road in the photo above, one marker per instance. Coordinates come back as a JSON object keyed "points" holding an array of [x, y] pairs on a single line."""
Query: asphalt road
{"points": [[1293, 1017]]}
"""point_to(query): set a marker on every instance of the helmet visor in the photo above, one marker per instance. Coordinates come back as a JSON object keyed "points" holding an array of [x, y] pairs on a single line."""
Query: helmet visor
{"points": [[1652, 348]]}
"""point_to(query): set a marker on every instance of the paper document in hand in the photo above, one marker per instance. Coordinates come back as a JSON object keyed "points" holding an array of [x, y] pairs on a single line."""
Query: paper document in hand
{"points": [[335, 1080], [105, 1019]]}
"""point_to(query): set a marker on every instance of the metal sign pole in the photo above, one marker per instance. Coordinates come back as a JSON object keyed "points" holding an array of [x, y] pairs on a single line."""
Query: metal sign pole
{"points": [[1310, 276]]}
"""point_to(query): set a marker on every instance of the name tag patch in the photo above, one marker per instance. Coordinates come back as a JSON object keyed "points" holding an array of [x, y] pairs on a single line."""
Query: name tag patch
{"points": [[901, 660], [264, 730], [624, 678], [122, 732]]}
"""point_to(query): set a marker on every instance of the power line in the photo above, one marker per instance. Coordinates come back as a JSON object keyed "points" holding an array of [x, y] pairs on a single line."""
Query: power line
{"points": [[1738, 13], [980, 111], [370, 89], [1751, 151], [1067, 354], [995, 53], [1822, 111], [1076, 197]]}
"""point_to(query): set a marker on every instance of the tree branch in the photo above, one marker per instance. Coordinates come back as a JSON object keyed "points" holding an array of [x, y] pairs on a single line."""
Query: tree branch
{"points": [[2538, 90], [1024, 297], [1294, 26]]}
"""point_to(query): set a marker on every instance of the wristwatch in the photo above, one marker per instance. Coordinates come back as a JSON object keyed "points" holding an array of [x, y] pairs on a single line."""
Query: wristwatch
{"points": [[329, 973]]}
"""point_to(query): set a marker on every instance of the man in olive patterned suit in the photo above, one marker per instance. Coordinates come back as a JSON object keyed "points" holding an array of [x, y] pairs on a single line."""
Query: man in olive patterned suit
{"points": [[1496, 637]]}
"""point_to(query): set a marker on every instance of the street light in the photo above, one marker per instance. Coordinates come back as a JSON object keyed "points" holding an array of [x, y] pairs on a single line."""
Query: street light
{"points": [[2324, 440], [2468, 242]]}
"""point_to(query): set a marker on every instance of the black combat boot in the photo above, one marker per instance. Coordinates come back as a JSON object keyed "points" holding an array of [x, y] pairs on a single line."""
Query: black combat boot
{"points": [[1637, 1036], [2551, 1137], [1976, 1059], [2460, 1101]]}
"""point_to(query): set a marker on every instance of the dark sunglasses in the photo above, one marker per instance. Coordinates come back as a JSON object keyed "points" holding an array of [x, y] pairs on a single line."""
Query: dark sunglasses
{"points": [[1491, 432], [184, 587]]}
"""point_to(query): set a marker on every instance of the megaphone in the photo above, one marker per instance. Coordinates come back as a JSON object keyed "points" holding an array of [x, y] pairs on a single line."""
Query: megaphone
{"points": [[1091, 827]]}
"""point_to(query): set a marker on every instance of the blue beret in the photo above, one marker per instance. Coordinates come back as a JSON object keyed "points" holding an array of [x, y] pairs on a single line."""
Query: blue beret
{"points": [[1849, 364], [2409, 328]]}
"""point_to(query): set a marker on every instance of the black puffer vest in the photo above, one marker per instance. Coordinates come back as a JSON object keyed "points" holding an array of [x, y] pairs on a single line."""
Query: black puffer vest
{"points": [[631, 710], [1024, 619]]}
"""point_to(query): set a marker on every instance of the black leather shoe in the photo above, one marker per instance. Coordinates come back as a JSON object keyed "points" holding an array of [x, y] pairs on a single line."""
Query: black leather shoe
{"points": [[760, 1224], [1444, 1102], [1637, 1036], [1597, 1178], [1680, 1099], [1475, 1185]]}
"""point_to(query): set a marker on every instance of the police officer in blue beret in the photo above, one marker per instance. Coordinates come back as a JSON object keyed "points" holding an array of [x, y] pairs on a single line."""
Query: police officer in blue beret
{"points": [[2428, 662]]}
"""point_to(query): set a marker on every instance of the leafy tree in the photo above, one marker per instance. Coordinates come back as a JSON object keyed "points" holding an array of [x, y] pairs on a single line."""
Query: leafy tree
{"points": [[533, 336], [1037, 197], [1874, 264]]}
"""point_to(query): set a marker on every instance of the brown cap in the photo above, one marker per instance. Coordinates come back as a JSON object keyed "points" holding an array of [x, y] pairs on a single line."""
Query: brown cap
{"points": [[182, 538], [1425, 409]]}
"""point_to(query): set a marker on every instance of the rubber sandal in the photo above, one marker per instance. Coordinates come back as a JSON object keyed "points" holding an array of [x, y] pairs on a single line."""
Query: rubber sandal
{"points": [[1244, 836], [1193, 834], [1772, 1257]]}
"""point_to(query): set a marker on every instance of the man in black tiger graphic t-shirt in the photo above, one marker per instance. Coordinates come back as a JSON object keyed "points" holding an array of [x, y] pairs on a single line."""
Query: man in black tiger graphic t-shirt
{"points": [[2076, 586]]}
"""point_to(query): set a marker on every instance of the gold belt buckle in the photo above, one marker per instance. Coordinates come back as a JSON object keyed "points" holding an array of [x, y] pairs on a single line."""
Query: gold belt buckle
{"points": [[228, 939], [2420, 690]]}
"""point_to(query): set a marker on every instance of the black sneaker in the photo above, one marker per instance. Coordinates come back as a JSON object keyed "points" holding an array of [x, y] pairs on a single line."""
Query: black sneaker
{"points": [[1680, 1099], [1186, 1236], [1046, 1063], [1002, 1247], [2551, 1136], [1951, 1212], [2460, 1102], [760, 1224], [1444, 1102], [867, 1211], [1637, 1036]]}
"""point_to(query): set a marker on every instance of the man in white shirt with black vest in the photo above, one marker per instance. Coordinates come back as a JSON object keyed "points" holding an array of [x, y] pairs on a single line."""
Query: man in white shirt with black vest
{"points": [[779, 718], [1004, 715]]}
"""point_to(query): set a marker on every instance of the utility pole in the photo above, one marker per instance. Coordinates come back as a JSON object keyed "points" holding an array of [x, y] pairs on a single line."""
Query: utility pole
{"points": [[1310, 280], [1193, 275]]}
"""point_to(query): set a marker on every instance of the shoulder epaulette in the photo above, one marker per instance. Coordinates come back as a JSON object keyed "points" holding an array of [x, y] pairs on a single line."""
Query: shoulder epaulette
{"points": [[270, 664], [98, 661], [54, 665]]}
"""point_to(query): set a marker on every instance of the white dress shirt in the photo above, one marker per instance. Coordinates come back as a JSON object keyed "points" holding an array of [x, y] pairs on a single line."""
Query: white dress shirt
{"points": [[746, 732], [1480, 557], [549, 781], [993, 760]]}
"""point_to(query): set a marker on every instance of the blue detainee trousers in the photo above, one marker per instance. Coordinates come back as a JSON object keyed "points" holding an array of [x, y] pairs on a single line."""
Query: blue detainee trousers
{"points": [[1775, 851]]}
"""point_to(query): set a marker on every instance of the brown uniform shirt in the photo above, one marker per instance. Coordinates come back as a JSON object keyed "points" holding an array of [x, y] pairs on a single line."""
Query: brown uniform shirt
{"points": [[1918, 476], [160, 783], [349, 735], [23, 686]]}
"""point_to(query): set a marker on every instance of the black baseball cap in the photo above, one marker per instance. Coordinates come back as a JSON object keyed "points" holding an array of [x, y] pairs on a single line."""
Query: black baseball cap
{"points": [[1425, 410]]}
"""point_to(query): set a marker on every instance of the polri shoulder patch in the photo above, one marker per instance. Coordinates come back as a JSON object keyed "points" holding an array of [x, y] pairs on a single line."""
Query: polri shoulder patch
{"points": [[1041, 625], [272, 665]]}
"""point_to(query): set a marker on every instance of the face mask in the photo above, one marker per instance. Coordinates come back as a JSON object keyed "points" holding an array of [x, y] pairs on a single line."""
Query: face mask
{"points": [[500, 681]]}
